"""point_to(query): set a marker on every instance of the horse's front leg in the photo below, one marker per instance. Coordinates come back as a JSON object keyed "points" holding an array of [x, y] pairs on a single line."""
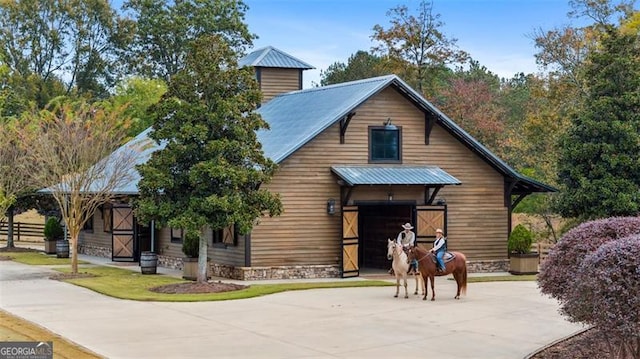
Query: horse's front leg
{"points": [[417, 282], [433, 291], [406, 292], [425, 283], [397, 286]]}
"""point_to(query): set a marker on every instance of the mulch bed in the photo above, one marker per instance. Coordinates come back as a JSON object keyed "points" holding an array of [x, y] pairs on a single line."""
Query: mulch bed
{"points": [[65, 276], [586, 345], [18, 249], [195, 288]]}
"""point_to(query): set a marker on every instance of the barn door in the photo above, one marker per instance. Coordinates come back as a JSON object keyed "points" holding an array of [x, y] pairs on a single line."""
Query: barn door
{"points": [[123, 233], [350, 241], [428, 219]]}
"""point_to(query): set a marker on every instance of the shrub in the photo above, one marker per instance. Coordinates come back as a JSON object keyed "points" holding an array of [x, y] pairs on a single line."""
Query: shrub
{"points": [[604, 293], [520, 240], [557, 271], [191, 244], [53, 230]]}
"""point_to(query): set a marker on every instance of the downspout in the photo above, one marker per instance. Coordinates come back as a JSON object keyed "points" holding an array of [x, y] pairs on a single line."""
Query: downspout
{"points": [[153, 236]]}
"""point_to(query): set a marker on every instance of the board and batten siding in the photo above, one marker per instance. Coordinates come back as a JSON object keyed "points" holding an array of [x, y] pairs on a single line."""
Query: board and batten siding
{"points": [[306, 234], [276, 81]]}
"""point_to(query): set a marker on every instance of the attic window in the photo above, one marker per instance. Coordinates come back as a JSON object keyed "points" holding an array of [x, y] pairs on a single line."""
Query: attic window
{"points": [[385, 145]]}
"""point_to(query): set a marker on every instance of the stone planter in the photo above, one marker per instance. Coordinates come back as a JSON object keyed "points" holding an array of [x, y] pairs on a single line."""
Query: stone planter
{"points": [[524, 263], [50, 247], [62, 248]]}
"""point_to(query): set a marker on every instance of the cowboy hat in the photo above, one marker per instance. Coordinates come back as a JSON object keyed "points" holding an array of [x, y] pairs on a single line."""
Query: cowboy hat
{"points": [[439, 231], [407, 226]]}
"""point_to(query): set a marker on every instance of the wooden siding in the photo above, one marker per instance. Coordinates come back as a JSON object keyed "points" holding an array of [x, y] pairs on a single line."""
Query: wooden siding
{"points": [[306, 234], [276, 81], [97, 237]]}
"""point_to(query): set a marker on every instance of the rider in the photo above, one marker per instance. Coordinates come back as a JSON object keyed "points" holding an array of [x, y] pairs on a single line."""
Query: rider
{"points": [[439, 247], [408, 239]]}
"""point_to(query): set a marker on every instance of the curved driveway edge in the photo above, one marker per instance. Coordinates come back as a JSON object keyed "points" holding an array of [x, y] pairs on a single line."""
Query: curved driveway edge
{"points": [[494, 320]]}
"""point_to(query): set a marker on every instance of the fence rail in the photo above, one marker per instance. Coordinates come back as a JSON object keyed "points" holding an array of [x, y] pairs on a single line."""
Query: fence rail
{"points": [[23, 231], [543, 249]]}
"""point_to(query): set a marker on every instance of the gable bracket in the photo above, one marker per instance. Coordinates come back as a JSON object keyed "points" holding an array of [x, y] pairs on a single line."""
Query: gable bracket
{"points": [[508, 189], [344, 123], [431, 197], [346, 196], [429, 121]]}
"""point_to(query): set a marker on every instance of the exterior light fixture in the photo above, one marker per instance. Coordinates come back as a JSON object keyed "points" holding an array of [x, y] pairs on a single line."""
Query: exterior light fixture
{"points": [[331, 206], [388, 126]]}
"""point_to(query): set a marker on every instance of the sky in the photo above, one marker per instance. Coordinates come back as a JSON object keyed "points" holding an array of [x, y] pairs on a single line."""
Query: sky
{"points": [[497, 33]]}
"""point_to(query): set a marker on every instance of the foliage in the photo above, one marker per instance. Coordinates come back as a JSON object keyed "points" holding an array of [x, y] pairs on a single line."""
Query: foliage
{"points": [[414, 44], [73, 155], [138, 94], [360, 65], [191, 244], [212, 168], [53, 230], [165, 31], [46, 43], [599, 166], [564, 259], [520, 240]]}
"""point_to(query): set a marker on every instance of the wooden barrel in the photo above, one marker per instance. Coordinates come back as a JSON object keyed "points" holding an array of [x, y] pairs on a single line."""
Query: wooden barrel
{"points": [[148, 263], [62, 249]]}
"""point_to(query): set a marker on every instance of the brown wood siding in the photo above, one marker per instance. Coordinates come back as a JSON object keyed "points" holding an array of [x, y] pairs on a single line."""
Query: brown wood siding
{"points": [[306, 234], [232, 255], [275, 81], [98, 237]]}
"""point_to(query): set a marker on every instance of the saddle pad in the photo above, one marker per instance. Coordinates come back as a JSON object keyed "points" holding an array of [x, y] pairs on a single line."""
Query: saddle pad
{"points": [[448, 256]]}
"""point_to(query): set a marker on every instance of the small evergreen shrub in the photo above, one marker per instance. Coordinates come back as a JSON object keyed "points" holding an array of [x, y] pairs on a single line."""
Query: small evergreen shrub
{"points": [[53, 230], [558, 270], [191, 244], [520, 240]]}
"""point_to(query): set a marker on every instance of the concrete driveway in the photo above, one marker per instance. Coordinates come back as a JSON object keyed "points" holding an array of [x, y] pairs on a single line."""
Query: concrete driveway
{"points": [[494, 320]]}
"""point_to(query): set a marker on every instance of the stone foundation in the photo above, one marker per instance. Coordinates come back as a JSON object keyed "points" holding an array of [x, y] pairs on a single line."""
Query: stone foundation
{"points": [[489, 266], [95, 251], [170, 262], [278, 272]]}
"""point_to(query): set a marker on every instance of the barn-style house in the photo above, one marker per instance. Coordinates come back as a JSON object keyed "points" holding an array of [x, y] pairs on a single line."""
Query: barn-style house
{"points": [[356, 161]]}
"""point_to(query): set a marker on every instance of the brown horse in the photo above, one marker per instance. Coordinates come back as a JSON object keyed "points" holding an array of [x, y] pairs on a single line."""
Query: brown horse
{"points": [[457, 266]]}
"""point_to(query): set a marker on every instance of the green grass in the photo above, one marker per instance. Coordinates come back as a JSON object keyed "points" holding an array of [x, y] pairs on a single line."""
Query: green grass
{"points": [[38, 258], [502, 278], [126, 284]]}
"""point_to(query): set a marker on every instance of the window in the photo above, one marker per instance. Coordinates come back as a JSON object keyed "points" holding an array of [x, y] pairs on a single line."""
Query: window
{"points": [[176, 235], [106, 218], [384, 145], [223, 238], [88, 225]]}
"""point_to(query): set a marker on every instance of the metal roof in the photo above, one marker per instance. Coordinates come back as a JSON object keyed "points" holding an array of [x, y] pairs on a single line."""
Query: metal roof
{"points": [[394, 174], [271, 57]]}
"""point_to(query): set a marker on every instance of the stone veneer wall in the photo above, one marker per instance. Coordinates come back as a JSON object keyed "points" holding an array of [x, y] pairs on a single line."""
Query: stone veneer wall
{"points": [[94, 250], [499, 265]]}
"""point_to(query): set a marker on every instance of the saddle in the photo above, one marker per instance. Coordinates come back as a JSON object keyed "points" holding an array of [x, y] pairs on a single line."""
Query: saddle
{"points": [[448, 257]]}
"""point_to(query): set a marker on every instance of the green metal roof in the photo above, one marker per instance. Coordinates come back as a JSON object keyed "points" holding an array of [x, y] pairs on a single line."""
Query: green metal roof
{"points": [[394, 175]]}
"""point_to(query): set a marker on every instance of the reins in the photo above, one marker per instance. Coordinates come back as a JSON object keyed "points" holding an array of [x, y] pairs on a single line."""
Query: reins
{"points": [[425, 256]]}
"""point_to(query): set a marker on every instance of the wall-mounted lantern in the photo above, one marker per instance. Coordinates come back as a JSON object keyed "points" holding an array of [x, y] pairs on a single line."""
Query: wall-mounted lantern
{"points": [[388, 126], [331, 206]]}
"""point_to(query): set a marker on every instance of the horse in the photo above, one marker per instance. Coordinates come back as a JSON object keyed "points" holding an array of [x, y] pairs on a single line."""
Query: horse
{"points": [[427, 265], [400, 267]]}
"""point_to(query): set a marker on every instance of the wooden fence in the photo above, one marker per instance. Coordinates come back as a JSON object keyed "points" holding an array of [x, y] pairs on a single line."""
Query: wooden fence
{"points": [[23, 231], [543, 249]]}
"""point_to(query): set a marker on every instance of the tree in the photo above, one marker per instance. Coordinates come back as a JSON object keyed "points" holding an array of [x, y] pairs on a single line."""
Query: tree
{"points": [[415, 45], [211, 169], [598, 166], [14, 171], [70, 42], [76, 162], [165, 30], [137, 95], [360, 65]]}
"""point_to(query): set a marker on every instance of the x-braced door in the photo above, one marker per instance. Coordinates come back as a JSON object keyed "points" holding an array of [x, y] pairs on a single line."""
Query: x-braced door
{"points": [[350, 241], [428, 219], [123, 233]]}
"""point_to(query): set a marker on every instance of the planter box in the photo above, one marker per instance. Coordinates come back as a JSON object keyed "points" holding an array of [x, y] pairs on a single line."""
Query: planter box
{"points": [[190, 268], [50, 247], [524, 263]]}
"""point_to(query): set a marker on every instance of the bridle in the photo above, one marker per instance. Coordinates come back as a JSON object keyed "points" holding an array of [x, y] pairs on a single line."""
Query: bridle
{"points": [[425, 256]]}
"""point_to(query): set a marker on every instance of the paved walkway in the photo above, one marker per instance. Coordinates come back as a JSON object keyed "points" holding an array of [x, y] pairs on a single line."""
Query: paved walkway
{"points": [[495, 320]]}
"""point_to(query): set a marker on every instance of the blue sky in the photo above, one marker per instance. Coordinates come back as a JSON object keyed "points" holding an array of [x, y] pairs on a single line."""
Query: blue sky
{"points": [[497, 33]]}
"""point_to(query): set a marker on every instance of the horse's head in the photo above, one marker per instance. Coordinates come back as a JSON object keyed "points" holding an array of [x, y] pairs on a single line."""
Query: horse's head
{"points": [[412, 254], [391, 246]]}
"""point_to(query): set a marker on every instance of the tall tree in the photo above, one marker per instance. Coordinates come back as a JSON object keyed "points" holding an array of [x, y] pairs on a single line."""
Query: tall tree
{"points": [[360, 65], [415, 44], [76, 162], [165, 30], [137, 95], [212, 168], [599, 166], [72, 42]]}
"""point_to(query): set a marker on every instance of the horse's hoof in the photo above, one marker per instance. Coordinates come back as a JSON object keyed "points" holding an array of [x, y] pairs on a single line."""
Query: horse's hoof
{"points": [[395, 296], [433, 299], [456, 297], [406, 296]]}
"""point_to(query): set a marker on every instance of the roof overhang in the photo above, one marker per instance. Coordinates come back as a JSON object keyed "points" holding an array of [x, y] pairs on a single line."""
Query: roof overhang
{"points": [[394, 175]]}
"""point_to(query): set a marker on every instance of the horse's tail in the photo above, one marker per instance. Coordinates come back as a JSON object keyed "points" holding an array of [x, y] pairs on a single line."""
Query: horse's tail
{"points": [[463, 285]]}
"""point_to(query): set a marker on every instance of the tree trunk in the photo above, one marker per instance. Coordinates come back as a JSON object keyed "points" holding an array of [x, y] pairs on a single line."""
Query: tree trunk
{"points": [[10, 216], [202, 260], [73, 244]]}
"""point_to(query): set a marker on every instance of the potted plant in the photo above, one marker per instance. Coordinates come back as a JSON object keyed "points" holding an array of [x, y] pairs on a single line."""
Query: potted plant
{"points": [[52, 232], [190, 248], [521, 259]]}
